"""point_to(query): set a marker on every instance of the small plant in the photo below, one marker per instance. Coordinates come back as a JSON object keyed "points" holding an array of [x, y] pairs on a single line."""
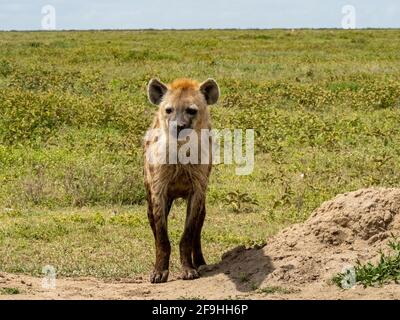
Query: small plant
{"points": [[244, 277], [6, 290], [286, 197], [275, 289], [191, 298], [387, 269], [5, 68], [240, 202], [253, 286]]}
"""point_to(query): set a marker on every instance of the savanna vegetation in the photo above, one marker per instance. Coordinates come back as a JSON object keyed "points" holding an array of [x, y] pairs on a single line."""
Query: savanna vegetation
{"points": [[325, 106], [368, 274]]}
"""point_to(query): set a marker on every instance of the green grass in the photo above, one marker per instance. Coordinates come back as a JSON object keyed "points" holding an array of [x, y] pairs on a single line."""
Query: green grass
{"points": [[275, 289], [9, 291], [244, 277], [191, 298], [325, 106], [385, 271], [110, 242]]}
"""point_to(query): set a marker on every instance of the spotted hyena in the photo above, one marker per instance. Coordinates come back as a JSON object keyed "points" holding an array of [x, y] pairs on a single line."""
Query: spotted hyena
{"points": [[183, 106]]}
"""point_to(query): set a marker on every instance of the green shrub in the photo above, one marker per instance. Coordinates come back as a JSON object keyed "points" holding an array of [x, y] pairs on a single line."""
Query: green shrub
{"points": [[5, 68], [368, 274]]}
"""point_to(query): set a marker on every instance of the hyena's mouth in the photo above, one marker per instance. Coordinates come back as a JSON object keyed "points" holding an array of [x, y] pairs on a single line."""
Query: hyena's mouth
{"points": [[185, 134], [181, 134]]}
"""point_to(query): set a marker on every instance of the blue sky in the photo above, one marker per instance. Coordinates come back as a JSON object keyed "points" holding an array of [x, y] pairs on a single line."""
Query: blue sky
{"points": [[186, 14]]}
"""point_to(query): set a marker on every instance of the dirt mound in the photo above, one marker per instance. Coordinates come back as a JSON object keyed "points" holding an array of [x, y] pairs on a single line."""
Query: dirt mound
{"points": [[351, 226]]}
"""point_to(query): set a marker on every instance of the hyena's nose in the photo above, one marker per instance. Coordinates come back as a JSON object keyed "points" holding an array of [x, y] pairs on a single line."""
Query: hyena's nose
{"points": [[180, 127]]}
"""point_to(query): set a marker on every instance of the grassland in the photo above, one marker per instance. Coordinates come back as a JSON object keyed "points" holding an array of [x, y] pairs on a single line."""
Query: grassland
{"points": [[325, 106]]}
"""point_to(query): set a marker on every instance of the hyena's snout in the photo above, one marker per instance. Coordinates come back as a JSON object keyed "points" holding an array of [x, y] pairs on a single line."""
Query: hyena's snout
{"points": [[176, 128], [181, 121]]}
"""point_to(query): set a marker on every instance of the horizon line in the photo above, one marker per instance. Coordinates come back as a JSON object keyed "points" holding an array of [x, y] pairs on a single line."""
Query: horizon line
{"points": [[199, 29]]}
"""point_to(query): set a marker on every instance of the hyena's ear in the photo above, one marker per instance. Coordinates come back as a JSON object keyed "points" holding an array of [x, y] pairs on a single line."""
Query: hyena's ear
{"points": [[156, 91], [210, 90]]}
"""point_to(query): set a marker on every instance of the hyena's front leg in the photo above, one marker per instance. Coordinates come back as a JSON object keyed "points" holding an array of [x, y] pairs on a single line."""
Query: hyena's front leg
{"points": [[197, 254], [150, 214], [195, 203], [160, 208]]}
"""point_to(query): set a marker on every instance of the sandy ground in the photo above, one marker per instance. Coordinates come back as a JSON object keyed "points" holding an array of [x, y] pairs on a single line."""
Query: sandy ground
{"points": [[300, 261], [218, 286]]}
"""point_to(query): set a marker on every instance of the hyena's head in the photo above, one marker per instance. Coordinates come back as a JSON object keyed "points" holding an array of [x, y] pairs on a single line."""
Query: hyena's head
{"points": [[183, 104]]}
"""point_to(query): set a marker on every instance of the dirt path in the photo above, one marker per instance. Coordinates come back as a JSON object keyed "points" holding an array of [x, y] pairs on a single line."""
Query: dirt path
{"points": [[217, 286], [297, 263]]}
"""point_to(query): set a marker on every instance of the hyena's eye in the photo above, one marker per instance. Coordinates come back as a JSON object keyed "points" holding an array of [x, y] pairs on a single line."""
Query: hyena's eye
{"points": [[169, 110], [191, 111]]}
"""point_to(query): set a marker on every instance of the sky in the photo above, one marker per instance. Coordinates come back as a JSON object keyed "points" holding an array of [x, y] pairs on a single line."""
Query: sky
{"points": [[188, 14]]}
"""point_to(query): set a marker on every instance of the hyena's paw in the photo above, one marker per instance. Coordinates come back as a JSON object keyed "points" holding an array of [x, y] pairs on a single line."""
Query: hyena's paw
{"points": [[198, 261], [159, 276], [189, 274]]}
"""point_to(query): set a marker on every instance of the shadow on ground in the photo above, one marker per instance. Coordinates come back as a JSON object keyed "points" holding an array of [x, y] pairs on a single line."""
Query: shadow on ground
{"points": [[246, 268]]}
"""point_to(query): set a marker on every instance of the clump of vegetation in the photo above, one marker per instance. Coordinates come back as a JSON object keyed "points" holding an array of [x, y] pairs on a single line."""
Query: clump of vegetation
{"points": [[191, 298], [6, 68], [244, 277], [9, 291], [369, 274], [240, 202], [275, 289]]}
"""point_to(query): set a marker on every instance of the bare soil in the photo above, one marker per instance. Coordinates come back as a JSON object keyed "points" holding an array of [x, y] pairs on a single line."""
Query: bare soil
{"points": [[297, 263]]}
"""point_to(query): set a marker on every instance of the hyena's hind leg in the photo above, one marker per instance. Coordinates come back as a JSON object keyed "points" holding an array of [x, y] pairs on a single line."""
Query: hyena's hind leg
{"points": [[197, 253], [158, 219]]}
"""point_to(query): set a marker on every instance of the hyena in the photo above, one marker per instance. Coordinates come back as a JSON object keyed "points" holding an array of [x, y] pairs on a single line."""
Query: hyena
{"points": [[183, 104]]}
